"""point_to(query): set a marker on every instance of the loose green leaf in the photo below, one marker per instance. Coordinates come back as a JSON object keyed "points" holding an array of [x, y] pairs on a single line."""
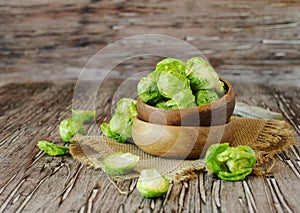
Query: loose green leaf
{"points": [[51, 148], [69, 127], [152, 184], [83, 116], [230, 163], [120, 163]]}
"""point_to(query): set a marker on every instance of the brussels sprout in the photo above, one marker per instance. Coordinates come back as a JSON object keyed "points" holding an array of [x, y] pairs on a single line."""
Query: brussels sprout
{"points": [[83, 116], [221, 90], [120, 124], [152, 184], [172, 82], [230, 163], [184, 99], [119, 163], [148, 91], [126, 107], [69, 127], [167, 104], [51, 148], [147, 87], [204, 96], [105, 128], [154, 75], [171, 64], [202, 75]]}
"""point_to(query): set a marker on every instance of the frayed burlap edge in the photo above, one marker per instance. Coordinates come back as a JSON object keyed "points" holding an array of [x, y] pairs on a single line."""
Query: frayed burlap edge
{"points": [[275, 137]]}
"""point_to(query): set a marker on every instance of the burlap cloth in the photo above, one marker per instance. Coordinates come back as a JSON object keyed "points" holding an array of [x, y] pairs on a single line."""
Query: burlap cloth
{"points": [[265, 137]]}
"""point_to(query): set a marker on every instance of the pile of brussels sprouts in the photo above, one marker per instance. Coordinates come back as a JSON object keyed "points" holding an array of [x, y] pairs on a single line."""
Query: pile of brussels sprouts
{"points": [[176, 84]]}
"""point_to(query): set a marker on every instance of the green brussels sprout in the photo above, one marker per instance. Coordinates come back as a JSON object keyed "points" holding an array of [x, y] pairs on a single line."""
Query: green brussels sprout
{"points": [[202, 75], [221, 89], [51, 148], [126, 107], [119, 163], [172, 82], [147, 87], [230, 163], [120, 124], [204, 96], [171, 64], [148, 91], [154, 75], [83, 116], [69, 127], [152, 184], [167, 104], [184, 99], [105, 128]]}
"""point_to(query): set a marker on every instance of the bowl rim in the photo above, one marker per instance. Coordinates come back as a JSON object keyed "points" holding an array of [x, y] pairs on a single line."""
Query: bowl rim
{"points": [[177, 127], [213, 103]]}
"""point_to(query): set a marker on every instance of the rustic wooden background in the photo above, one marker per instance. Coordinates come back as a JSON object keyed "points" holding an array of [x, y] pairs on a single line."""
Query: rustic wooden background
{"points": [[244, 40], [45, 44]]}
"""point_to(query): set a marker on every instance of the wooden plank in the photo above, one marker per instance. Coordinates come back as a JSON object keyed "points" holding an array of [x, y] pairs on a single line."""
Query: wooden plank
{"points": [[62, 184], [52, 41]]}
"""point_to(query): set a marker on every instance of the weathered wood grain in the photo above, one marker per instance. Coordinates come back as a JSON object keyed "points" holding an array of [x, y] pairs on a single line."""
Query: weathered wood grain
{"points": [[255, 44], [245, 40], [32, 112]]}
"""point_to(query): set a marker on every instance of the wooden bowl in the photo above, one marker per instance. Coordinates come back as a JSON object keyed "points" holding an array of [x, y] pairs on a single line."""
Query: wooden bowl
{"points": [[216, 113], [181, 142]]}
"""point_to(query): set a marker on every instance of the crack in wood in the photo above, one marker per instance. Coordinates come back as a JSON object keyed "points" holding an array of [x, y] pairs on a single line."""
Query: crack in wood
{"points": [[11, 195], [16, 199], [28, 197], [278, 199], [292, 166], [201, 187], [287, 111], [249, 197], [168, 194], [152, 204], [91, 199], [36, 158], [7, 183], [182, 196], [132, 185], [295, 152], [82, 209], [121, 209], [70, 184], [216, 192]]}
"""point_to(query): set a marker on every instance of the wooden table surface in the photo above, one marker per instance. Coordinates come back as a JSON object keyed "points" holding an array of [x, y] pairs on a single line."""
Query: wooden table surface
{"points": [[44, 46]]}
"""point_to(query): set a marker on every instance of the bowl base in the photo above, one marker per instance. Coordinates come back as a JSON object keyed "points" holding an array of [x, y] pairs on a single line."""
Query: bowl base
{"points": [[178, 142]]}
